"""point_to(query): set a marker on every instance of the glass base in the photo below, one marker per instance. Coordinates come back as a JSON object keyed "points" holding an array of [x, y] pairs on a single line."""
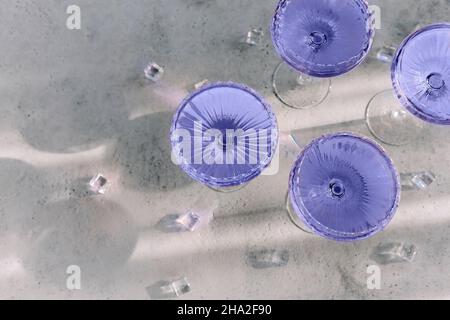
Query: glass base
{"points": [[390, 122], [294, 217], [297, 90]]}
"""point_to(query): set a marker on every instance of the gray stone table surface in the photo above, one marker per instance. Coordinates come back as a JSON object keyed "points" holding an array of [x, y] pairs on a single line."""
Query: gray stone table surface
{"points": [[72, 105]]}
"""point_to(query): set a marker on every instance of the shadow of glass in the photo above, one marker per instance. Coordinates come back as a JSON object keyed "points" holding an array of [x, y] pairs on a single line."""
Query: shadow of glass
{"points": [[143, 154], [23, 192], [98, 236], [75, 118]]}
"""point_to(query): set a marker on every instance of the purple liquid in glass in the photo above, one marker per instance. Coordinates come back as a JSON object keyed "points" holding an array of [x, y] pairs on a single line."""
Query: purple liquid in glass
{"points": [[344, 187], [322, 38], [421, 73], [244, 139]]}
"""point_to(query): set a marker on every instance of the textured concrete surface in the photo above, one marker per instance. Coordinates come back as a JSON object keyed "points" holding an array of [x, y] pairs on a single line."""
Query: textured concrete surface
{"points": [[73, 105]]}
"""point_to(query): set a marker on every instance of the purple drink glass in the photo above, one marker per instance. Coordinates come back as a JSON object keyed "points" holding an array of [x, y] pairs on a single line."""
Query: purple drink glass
{"points": [[319, 39], [343, 187], [420, 75], [231, 135]]}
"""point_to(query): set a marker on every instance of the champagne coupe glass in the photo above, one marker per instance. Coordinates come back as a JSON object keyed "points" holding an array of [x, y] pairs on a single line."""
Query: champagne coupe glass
{"points": [[343, 187], [317, 40], [224, 135], [420, 75]]}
